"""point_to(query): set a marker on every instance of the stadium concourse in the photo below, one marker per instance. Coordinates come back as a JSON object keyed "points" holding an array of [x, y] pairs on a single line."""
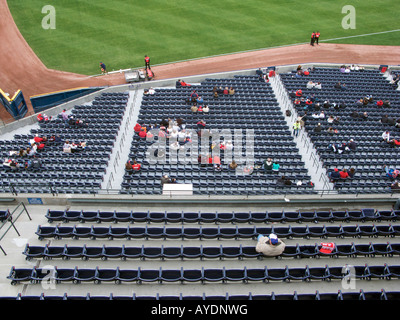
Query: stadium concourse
{"points": [[115, 237]]}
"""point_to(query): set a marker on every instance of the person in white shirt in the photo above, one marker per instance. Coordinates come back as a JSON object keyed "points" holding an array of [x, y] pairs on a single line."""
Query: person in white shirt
{"points": [[386, 136]]}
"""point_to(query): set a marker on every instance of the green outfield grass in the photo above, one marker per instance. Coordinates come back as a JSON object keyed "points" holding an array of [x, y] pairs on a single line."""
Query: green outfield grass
{"points": [[121, 32]]}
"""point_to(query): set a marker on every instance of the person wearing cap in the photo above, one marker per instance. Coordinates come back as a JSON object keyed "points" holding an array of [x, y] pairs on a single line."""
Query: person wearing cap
{"points": [[270, 246], [335, 174]]}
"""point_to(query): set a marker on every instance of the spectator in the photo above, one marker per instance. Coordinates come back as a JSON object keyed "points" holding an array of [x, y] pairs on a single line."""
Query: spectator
{"points": [[136, 166], [128, 166], [352, 172], [233, 165], [194, 108], [343, 174], [395, 186], [352, 145], [267, 165], [386, 136], [334, 175], [270, 246], [391, 173], [318, 86], [206, 109], [231, 91], [275, 167], [318, 128], [296, 128], [165, 179]]}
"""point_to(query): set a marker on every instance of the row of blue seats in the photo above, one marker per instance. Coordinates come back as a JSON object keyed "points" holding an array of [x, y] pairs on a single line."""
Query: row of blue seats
{"points": [[203, 252], [363, 215], [218, 232], [317, 296], [97, 275]]}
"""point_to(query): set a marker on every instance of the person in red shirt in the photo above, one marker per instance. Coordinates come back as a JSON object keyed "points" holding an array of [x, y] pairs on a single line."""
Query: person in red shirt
{"points": [[147, 61], [299, 93], [136, 166], [142, 134], [379, 103], [312, 38], [344, 174], [137, 127], [317, 34]]}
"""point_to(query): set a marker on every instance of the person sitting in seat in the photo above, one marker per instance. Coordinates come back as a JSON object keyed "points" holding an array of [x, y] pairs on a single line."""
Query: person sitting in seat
{"points": [[136, 166], [270, 246], [334, 175], [233, 165], [267, 165]]}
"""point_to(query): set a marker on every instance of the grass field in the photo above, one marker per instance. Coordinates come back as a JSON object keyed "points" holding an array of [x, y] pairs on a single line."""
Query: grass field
{"points": [[121, 32]]}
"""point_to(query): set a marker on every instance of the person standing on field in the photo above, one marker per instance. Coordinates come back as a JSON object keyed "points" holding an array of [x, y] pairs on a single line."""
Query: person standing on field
{"points": [[103, 68], [147, 61], [317, 34], [312, 38]]}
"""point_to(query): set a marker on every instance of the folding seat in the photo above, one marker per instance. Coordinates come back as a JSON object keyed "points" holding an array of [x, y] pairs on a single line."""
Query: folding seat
{"points": [[112, 252], [278, 274], [191, 252], [225, 217], [392, 272], [239, 217], [116, 232], [355, 215], [101, 232], [34, 251], [54, 215], [319, 273], [149, 275], [139, 216], [156, 217], [18, 275], [368, 230], [276, 216], [259, 217], [385, 230], [235, 275], [136, 232], [45, 232], [249, 252], [324, 216], [126, 275], [338, 272], [105, 275], [173, 232], [105, 216], [192, 275], [213, 275], [377, 272], [346, 250], [387, 215], [171, 275], [302, 274], [174, 217], [64, 274], [151, 252], [227, 233], [308, 216], [54, 252], [208, 233], [292, 216], [132, 252], [92, 252], [64, 232], [211, 252], [340, 215], [191, 217], [192, 233], [370, 214], [246, 232], [82, 232]]}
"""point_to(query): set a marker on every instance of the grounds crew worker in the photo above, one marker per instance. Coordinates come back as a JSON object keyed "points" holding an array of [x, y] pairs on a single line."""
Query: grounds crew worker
{"points": [[270, 246]]}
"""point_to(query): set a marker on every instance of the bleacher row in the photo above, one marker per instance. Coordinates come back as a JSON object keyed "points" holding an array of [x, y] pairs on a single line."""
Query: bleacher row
{"points": [[98, 275], [386, 253], [63, 172], [367, 214], [253, 106], [124, 252], [371, 153], [201, 232], [340, 295]]}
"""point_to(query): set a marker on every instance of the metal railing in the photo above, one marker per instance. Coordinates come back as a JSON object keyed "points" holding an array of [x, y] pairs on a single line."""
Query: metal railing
{"points": [[12, 218]]}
